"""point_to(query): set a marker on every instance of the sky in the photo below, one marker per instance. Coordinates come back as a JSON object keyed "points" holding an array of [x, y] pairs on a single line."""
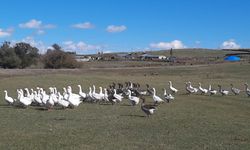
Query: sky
{"points": [[89, 26]]}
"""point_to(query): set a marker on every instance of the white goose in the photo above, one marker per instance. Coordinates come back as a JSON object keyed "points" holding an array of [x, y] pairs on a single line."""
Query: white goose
{"points": [[29, 95], [74, 99], [50, 102], [188, 89], [167, 96], [133, 99], [45, 97], [90, 95], [82, 94], [193, 88], [202, 90], [53, 95], [247, 90], [97, 96], [173, 90], [101, 94], [117, 96], [156, 98], [65, 93], [61, 101], [8, 99], [212, 91], [37, 97], [222, 91], [25, 101]]}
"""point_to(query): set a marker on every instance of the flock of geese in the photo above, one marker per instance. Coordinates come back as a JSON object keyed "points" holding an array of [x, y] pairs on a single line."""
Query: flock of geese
{"points": [[115, 93]]}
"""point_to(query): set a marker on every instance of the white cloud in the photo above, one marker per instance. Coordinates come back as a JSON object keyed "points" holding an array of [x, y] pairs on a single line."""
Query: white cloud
{"points": [[32, 24], [116, 29], [85, 25], [230, 44], [72, 46], [176, 44], [37, 25], [5, 33], [38, 44]]}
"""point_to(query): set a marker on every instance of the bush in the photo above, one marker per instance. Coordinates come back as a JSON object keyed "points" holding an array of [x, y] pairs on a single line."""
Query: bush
{"points": [[22, 55], [57, 59], [8, 57]]}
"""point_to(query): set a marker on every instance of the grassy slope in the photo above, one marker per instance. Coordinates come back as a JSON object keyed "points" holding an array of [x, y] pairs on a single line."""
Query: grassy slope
{"points": [[190, 122], [193, 53]]}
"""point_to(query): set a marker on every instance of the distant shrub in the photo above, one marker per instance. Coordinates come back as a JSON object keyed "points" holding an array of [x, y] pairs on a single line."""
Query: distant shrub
{"points": [[57, 59], [22, 55]]}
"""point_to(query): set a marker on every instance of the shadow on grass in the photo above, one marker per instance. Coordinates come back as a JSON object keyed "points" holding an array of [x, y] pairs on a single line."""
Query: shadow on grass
{"points": [[125, 105], [133, 116], [105, 104], [40, 109]]}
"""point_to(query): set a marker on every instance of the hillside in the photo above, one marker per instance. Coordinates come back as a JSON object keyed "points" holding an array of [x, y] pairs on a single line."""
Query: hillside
{"points": [[192, 52]]}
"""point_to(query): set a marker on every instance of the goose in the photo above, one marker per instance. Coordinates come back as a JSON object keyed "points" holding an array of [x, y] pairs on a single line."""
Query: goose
{"points": [[82, 94], [173, 90], [193, 88], [109, 97], [65, 93], [167, 96], [8, 99], [61, 101], [156, 98], [188, 89], [202, 90], [32, 96], [50, 102], [147, 109], [28, 94], [134, 100], [212, 91], [101, 94], [97, 96], [223, 92], [74, 99], [247, 90], [90, 95], [235, 90], [45, 97], [53, 95], [117, 96], [25, 101], [37, 98]]}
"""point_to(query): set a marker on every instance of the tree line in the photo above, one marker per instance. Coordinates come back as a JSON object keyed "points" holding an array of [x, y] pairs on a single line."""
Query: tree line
{"points": [[22, 55]]}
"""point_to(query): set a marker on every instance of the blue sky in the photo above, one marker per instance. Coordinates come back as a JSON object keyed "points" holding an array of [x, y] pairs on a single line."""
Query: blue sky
{"points": [[87, 26]]}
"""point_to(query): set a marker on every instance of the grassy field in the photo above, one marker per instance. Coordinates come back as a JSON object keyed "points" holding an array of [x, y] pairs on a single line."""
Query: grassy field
{"points": [[188, 122]]}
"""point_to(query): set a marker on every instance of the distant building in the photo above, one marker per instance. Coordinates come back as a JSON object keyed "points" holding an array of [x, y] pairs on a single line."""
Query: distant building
{"points": [[83, 58], [153, 57]]}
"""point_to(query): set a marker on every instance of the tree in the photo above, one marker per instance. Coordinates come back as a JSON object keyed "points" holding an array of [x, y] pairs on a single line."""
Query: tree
{"points": [[27, 54], [8, 57], [56, 58]]}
